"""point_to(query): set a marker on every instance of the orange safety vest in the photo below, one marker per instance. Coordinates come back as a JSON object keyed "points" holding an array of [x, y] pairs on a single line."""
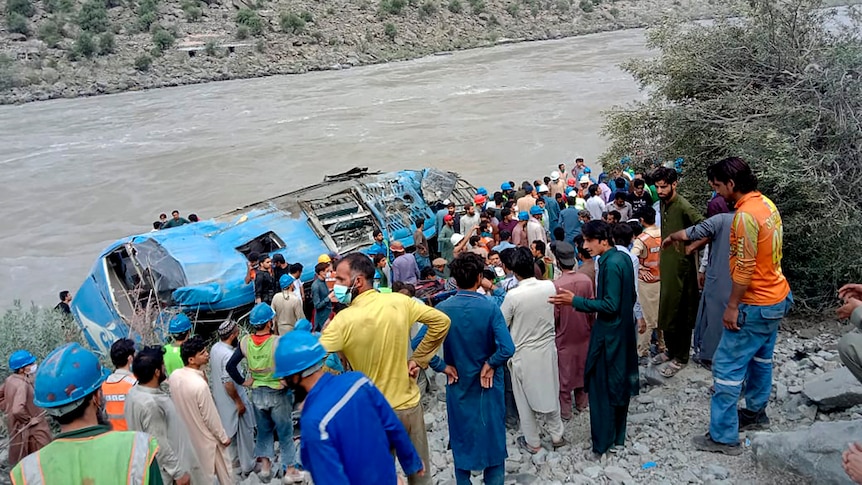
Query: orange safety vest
{"points": [[653, 250], [114, 389], [329, 279]]}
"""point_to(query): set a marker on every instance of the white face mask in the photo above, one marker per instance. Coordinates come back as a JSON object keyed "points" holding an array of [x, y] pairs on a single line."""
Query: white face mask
{"points": [[32, 369]]}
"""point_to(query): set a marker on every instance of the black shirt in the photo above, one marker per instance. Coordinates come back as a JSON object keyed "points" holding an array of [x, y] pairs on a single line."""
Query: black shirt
{"points": [[264, 286], [63, 307], [639, 203]]}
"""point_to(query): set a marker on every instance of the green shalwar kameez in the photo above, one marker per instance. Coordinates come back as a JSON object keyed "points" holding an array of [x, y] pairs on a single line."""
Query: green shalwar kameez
{"points": [[679, 298], [611, 375]]}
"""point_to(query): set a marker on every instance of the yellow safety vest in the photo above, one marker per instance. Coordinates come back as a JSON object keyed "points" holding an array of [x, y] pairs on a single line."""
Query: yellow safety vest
{"points": [[261, 363]]}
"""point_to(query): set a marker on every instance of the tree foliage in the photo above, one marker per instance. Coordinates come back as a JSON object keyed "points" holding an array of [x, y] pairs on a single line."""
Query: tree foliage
{"points": [[781, 88]]}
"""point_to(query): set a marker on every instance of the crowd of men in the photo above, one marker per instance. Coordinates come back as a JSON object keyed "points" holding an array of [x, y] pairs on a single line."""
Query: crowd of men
{"points": [[545, 300], [174, 221]]}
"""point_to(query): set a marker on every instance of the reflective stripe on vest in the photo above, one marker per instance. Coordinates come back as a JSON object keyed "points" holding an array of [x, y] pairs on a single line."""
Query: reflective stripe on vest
{"points": [[133, 453], [115, 401], [653, 251], [261, 361]]}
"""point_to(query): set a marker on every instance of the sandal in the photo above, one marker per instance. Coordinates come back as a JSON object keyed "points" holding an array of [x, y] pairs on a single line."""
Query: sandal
{"points": [[672, 368], [660, 358], [522, 443], [561, 443]]}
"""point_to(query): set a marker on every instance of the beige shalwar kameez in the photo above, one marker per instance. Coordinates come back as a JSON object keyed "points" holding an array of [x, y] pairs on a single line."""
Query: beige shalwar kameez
{"points": [[25, 423]]}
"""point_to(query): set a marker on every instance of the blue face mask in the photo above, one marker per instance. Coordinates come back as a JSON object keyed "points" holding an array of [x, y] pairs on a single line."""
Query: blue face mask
{"points": [[343, 293]]}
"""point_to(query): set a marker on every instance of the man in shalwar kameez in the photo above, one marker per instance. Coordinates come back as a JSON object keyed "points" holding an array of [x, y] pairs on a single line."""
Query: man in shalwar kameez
{"points": [[25, 423], [611, 374], [534, 367], [475, 351]]}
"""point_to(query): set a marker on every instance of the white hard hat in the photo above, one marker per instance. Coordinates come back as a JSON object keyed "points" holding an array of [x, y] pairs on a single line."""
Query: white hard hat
{"points": [[456, 238], [543, 188], [584, 180], [555, 175]]}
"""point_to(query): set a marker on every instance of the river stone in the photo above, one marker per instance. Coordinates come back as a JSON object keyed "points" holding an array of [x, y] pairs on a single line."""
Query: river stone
{"points": [[653, 377], [837, 389], [813, 452], [617, 474], [717, 471], [593, 471]]}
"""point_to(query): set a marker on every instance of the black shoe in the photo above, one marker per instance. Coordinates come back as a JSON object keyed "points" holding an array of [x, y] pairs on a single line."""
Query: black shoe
{"points": [[706, 443], [751, 421]]}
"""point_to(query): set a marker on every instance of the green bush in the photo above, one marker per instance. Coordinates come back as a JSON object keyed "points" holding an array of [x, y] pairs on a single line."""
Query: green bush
{"points": [[17, 24], [143, 62], [22, 7], [306, 15], [51, 33], [428, 9], [477, 6], [163, 39], [147, 14], [587, 6], [774, 91], [210, 48], [107, 45], [59, 6], [563, 6], [513, 9], [250, 19], [37, 330], [192, 12], [93, 16], [291, 23], [390, 31], [392, 7], [85, 45], [7, 74], [242, 32], [455, 6]]}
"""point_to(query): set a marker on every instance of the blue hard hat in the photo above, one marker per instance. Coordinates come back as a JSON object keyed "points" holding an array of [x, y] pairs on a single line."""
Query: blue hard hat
{"points": [[523, 216], [260, 314], [505, 186], [536, 210], [179, 324], [69, 374], [20, 359], [295, 352], [285, 281], [302, 325], [482, 191], [587, 170]]}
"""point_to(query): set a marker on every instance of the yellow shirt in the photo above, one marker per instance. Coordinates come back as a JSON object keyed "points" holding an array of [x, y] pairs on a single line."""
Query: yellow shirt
{"points": [[374, 333]]}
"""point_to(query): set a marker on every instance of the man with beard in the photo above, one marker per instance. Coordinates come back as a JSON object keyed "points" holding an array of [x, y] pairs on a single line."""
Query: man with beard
{"points": [[67, 386], [678, 300], [190, 393], [231, 401], [265, 286], [367, 332], [348, 428], [149, 409]]}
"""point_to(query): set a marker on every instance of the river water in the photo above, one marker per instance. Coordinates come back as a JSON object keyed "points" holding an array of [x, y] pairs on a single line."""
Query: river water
{"points": [[78, 174]]}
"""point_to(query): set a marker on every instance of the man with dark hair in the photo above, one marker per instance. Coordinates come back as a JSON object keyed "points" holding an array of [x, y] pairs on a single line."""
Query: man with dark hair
{"points": [[163, 218], [508, 222], [253, 261], [65, 300], [279, 267], [295, 271], [149, 409], [66, 387], [469, 220], [320, 296], [572, 332], [444, 238], [679, 290], [538, 248], [404, 267], [569, 220], [613, 216], [759, 298], [175, 221], [156, 226], [265, 286], [639, 197], [379, 245], [505, 241], [474, 353], [422, 252], [587, 265], [117, 385], [595, 203], [534, 368], [365, 332], [611, 375], [194, 403], [647, 248]]}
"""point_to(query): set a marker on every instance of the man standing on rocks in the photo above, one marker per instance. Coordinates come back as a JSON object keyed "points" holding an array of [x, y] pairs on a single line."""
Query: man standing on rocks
{"points": [[287, 306], [373, 332], [475, 351], [679, 291], [534, 367], [759, 298], [572, 332], [647, 248], [611, 375], [26, 424]]}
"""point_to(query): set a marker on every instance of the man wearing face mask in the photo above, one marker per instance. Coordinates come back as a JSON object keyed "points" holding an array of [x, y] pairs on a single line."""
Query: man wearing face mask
{"points": [[149, 409], [25, 422], [231, 401], [367, 332], [348, 428], [67, 386], [273, 404]]}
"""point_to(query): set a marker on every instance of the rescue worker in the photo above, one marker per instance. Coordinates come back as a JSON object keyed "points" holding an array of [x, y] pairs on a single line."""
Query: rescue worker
{"points": [[25, 423], [273, 403], [347, 425], [118, 384], [179, 328], [67, 386]]}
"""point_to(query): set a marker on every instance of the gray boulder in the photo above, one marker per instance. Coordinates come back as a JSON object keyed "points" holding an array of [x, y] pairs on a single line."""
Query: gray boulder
{"points": [[837, 389], [813, 452]]}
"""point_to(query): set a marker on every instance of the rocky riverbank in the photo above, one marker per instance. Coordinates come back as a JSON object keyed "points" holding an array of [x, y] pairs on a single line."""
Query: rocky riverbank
{"points": [[69, 48]]}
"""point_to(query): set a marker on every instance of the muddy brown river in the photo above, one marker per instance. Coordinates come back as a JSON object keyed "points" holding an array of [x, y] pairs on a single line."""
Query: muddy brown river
{"points": [[77, 174]]}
